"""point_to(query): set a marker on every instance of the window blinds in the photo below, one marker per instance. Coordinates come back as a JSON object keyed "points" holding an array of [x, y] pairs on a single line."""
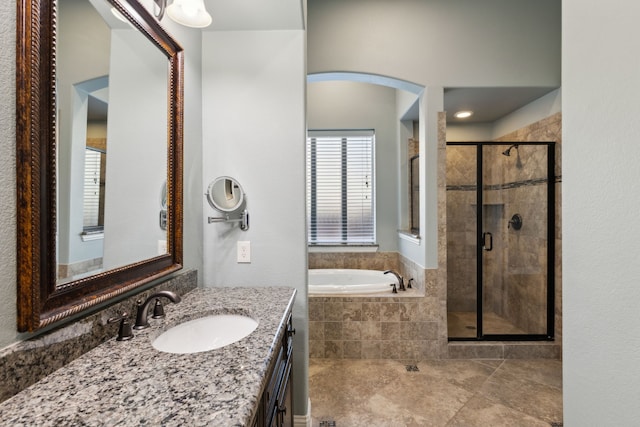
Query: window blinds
{"points": [[91, 188], [340, 187]]}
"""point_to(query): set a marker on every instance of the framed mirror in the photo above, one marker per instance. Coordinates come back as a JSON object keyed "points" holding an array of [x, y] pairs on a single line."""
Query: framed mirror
{"points": [[93, 150]]}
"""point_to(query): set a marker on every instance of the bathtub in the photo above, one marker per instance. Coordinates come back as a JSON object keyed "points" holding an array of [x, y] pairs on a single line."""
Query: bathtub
{"points": [[349, 282]]}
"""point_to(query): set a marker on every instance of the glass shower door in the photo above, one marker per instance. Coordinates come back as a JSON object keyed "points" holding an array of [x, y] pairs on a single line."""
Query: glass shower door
{"points": [[500, 241], [514, 241], [462, 241]]}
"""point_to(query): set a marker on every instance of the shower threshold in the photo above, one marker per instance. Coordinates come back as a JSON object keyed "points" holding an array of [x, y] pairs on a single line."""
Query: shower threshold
{"points": [[462, 324]]}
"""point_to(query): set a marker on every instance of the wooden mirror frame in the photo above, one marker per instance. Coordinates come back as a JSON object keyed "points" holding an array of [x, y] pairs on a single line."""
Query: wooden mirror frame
{"points": [[40, 301]]}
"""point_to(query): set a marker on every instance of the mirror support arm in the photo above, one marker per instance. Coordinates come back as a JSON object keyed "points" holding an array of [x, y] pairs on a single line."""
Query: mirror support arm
{"points": [[243, 220]]}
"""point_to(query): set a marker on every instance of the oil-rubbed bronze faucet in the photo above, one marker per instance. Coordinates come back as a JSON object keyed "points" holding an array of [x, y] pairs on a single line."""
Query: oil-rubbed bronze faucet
{"points": [[143, 307], [400, 279], [124, 330]]}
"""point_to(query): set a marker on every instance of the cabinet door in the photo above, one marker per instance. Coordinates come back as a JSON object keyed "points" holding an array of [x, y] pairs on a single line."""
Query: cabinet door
{"points": [[285, 404], [287, 416], [277, 398]]}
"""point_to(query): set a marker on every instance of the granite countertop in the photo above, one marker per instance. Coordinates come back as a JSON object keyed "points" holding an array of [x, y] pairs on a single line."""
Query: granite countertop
{"points": [[130, 383]]}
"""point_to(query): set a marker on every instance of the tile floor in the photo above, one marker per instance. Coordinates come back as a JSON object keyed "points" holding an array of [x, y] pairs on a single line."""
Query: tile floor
{"points": [[465, 393]]}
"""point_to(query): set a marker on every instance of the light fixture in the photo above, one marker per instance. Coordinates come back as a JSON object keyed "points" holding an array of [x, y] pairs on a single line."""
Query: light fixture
{"points": [[463, 114], [190, 13]]}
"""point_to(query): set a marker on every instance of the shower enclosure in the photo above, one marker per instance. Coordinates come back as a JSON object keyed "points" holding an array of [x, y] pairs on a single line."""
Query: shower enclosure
{"points": [[500, 240]]}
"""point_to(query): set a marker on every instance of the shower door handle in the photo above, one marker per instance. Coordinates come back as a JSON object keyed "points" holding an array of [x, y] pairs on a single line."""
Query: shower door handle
{"points": [[487, 246]]}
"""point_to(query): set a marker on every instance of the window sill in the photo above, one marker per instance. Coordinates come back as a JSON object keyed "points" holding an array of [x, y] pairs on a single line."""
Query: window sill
{"points": [[410, 237], [342, 248], [88, 236]]}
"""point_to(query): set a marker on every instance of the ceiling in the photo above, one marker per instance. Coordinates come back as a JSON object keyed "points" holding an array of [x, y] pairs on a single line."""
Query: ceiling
{"points": [[489, 104], [96, 109]]}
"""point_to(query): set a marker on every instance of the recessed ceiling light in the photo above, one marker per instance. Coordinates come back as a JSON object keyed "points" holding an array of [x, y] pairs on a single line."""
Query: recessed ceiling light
{"points": [[463, 114]]}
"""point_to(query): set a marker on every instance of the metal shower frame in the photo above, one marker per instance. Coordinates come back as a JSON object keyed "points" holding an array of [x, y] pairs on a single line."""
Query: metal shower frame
{"points": [[551, 209]]}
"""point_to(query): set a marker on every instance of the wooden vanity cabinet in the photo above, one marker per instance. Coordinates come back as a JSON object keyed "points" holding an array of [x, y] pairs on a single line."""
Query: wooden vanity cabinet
{"points": [[275, 408]]}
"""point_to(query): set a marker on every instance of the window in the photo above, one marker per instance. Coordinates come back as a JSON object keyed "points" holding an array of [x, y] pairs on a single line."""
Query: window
{"points": [[414, 172], [340, 187], [93, 205]]}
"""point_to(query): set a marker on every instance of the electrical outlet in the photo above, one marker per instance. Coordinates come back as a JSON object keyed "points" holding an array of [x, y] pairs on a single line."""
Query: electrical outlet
{"points": [[244, 252]]}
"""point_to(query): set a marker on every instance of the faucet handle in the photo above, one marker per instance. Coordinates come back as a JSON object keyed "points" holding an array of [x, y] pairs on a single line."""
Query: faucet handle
{"points": [[124, 330], [141, 315], [158, 310], [409, 283]]}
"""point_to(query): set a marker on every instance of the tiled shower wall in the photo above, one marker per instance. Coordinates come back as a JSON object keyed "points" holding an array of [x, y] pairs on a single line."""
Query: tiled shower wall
{"points": [[550, 129]]}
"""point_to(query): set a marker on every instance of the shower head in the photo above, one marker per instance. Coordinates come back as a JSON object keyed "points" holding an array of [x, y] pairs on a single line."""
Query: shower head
{"points": [[507, 152]]}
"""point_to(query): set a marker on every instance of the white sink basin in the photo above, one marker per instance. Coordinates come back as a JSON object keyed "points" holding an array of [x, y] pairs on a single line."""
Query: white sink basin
{"points": [[205, 333]]}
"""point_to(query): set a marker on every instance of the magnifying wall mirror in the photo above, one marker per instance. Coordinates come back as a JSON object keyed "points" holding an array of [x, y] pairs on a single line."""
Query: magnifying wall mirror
{"points": [[99, 88], [226, 195]]}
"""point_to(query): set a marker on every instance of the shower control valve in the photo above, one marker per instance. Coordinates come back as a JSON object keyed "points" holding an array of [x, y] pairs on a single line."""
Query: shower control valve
{"points": [[515, 222]]}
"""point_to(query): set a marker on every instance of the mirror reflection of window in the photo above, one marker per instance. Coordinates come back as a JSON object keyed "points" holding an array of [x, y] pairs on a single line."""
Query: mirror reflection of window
{"points": [[94, 185], [228, 186], [95, 166], [415, 195]]}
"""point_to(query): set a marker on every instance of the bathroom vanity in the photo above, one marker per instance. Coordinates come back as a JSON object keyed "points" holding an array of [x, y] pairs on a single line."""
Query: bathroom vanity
{"points": [[246, 383]]}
